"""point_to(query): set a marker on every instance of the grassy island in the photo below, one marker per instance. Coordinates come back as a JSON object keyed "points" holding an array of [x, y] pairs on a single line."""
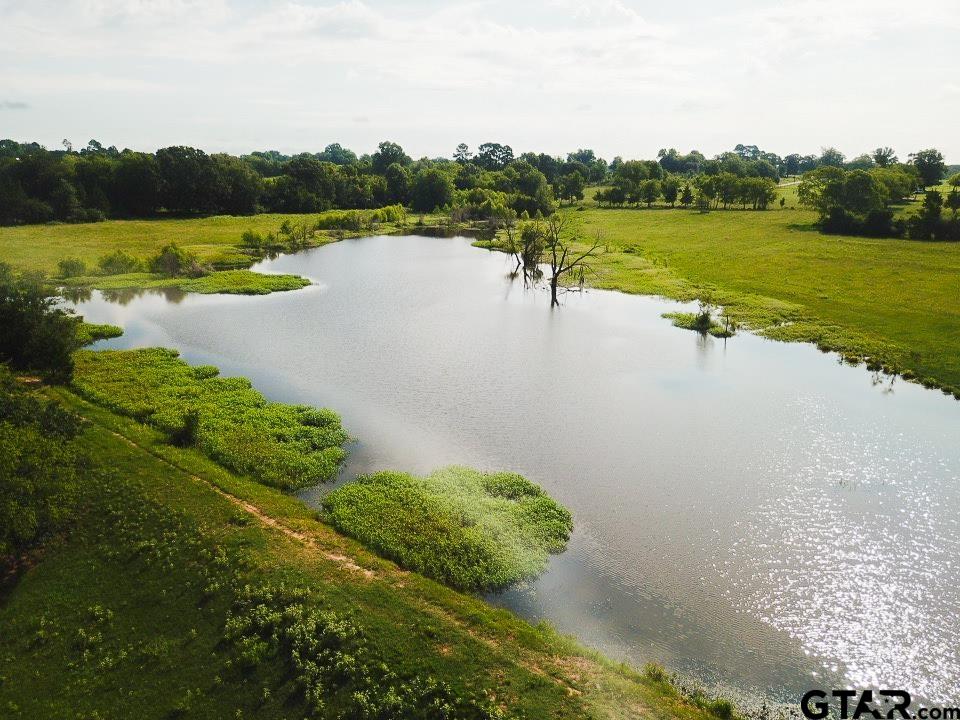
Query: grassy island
{"points": [[467, 529]]}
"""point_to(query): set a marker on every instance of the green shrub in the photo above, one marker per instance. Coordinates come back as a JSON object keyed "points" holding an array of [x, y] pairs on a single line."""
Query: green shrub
{"points": [[390, 214], [119, 262], [342, 220], [174, 261], [468, 529], [253, 240], [702, 322], [357, 220], [71, 267], [721, 708], [35, 334], [287, 446]]}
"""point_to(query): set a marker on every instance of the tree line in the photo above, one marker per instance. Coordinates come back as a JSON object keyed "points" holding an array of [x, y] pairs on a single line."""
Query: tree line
{"points": [[97, 182]]}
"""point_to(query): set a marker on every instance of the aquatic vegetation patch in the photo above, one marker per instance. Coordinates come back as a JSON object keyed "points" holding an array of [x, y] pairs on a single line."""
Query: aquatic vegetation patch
{"points": [[470, 530], [286, 446], [701, 322], [88, 333], [234, 282], [242, 282]]}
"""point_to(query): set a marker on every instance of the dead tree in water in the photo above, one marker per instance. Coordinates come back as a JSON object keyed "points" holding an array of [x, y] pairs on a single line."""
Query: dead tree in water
{"points": [[563, 257]]}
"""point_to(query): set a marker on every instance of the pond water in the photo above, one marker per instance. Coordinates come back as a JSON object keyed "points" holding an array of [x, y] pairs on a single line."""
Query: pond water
{"points": [[753, 514]]}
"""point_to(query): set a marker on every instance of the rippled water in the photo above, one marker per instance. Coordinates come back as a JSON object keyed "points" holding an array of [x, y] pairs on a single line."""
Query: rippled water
{"points": [[750, 513]]}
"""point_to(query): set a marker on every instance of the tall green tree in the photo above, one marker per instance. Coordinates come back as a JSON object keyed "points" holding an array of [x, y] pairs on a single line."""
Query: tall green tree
{"points": [[136, 185], [930, 166], [338, 155], [493, 156], [462, 154], [432, 188], [186, 179], [670, 189], [398, 179], [884, 157], [650, 191], [386, 155], [832, 157]]}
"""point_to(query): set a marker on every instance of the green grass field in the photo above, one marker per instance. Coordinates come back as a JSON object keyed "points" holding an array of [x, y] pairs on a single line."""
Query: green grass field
{"points": [[40, 247], [165, 595]]}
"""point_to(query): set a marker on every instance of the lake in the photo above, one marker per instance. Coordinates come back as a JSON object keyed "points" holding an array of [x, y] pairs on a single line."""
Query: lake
{"points": [[752, 514]]}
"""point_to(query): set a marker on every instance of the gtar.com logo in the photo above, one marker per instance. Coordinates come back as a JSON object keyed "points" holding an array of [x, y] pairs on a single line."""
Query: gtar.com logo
{"points": [[879, 705]]}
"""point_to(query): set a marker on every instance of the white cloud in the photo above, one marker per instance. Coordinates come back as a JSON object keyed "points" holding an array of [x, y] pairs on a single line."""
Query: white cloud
{"points": [[551, 74]]}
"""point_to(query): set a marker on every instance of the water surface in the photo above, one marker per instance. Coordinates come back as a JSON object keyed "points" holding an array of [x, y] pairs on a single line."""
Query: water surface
{"points": [[751, 513]]}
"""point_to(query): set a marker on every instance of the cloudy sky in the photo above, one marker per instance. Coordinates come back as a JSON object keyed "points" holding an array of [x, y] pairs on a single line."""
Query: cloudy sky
{"points": [[625, 77]]}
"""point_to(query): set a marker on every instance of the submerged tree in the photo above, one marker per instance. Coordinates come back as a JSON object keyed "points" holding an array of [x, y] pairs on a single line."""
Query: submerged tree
{"points": [[566, 253]]}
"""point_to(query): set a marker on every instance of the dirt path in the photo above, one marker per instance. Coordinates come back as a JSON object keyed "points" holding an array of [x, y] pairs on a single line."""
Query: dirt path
{"points": [[248, 507]]}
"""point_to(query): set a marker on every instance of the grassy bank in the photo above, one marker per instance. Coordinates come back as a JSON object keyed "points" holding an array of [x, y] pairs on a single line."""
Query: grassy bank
{"points": [[220, 248], [41, 247], [184, 590]]}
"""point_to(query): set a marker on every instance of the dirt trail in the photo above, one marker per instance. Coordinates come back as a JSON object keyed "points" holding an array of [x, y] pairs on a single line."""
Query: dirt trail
{"points": [[248, 507]]}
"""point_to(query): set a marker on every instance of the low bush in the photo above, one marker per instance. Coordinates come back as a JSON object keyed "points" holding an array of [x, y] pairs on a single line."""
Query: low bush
{"points": [[702, 322], [358, 220], [342, 220], [174, 261], [468, 529], [71, 267], [119, 262], [286, 446]]}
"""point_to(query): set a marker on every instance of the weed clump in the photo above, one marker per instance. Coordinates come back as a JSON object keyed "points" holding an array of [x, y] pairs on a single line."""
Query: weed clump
{"points": [[331, 662], [702, 322]]}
